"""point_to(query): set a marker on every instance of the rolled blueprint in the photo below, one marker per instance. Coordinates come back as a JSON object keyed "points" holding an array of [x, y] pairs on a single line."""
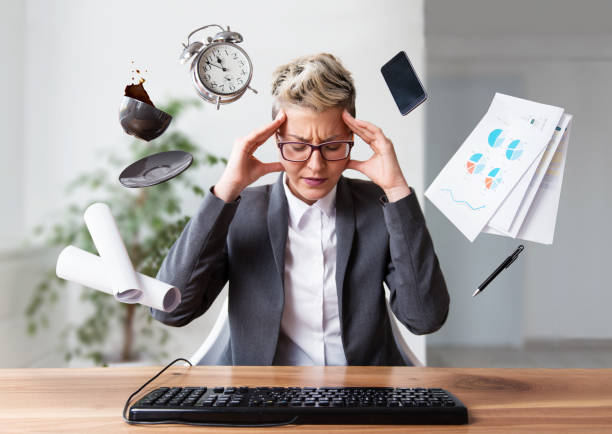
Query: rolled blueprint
{"points": [[108, 241], [89, 270]]}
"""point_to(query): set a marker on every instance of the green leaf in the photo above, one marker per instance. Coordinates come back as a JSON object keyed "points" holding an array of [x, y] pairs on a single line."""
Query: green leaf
{"points": [[198, 190], [31, 328], [211, 159]]}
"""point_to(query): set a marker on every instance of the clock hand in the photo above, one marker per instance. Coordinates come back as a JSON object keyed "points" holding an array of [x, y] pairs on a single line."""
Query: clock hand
{"points": [[221, 63], [212, 64]]}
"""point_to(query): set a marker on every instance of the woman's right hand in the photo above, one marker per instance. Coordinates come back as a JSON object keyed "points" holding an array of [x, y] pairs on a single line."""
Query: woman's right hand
{"points": [[242, 167]]}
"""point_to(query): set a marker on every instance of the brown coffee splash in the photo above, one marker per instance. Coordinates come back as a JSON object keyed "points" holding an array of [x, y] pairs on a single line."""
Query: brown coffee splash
{"points": [[137, 91]]}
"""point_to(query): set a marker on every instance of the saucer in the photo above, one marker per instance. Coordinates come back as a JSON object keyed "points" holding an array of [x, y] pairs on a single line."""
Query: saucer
{"points": [[155, 169]]}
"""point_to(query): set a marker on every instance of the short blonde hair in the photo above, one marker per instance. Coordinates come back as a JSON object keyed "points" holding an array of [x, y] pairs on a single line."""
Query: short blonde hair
{"points": [[317, 82]]}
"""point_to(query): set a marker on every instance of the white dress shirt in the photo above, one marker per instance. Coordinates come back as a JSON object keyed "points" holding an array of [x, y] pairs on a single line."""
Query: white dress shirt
{"points": [[310, 324]]}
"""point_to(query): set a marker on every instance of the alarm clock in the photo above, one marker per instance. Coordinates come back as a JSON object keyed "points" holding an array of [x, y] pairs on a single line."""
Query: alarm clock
{"points": [[221, 70]]}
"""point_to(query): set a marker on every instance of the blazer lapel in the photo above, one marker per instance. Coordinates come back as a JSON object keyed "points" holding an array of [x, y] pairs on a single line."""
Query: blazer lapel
{"points": [[278, 211], [345, 230]]}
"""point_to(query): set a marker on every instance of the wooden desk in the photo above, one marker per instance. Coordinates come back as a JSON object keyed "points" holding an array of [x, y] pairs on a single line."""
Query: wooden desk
{"points": [[498, 400]]}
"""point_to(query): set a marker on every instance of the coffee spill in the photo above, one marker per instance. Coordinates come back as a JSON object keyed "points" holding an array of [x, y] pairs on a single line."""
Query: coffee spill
{"points": [[137, 91]]}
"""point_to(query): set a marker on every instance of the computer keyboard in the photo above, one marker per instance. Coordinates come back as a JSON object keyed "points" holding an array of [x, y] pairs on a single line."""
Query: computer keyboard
{"points": [[300, 405]]}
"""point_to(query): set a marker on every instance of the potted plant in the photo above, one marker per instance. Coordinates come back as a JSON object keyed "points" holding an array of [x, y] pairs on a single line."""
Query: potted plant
{"points": [[149, 220]]}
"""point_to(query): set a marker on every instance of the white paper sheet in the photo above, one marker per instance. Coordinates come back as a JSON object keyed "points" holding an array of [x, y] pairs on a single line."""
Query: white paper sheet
{"points": [[536, 180], [504, 216], [87, 269], [108, 241], [492, 160], [540, 221]]}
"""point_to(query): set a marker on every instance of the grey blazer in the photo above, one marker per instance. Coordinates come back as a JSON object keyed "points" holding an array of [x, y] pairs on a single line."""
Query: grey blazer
{"points": [[244, 242]]}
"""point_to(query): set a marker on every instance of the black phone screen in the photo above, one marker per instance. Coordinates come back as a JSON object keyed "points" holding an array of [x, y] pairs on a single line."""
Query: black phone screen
{"points": [[405, 86]]}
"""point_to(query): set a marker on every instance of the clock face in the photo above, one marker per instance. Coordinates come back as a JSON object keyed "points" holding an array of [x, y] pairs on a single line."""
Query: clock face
{"points": [[224, 69]]}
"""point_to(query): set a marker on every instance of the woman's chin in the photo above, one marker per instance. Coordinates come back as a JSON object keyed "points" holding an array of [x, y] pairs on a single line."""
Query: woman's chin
{"points": [[312, 194]]}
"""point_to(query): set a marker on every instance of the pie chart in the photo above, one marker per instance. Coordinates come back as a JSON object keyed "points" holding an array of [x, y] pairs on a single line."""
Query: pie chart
{"points": [[496, 138], [493, 179], [475, 164], [515, 150]]}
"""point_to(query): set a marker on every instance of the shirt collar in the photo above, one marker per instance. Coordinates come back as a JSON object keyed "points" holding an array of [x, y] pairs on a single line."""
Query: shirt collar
{"points": [[297, 208]]}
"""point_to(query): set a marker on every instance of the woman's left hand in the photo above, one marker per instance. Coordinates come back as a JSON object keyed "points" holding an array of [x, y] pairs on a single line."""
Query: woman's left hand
{"points": [[382, 167]]}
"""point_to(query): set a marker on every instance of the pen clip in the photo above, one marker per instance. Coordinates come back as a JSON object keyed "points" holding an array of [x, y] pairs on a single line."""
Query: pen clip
{"points": [[514, 255]]}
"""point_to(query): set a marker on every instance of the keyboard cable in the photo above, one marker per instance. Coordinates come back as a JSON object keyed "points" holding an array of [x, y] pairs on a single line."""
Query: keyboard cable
{"points": [[180, 422]]}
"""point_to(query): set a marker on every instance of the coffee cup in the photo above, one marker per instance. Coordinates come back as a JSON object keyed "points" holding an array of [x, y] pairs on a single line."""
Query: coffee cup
{"points": [[142, 120]]}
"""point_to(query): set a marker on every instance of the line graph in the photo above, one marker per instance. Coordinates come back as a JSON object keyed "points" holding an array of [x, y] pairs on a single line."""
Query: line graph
{"points": [[461, 201]]}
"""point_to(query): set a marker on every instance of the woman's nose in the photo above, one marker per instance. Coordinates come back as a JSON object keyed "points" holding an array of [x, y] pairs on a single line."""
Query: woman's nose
{"points": [[316, 160]]}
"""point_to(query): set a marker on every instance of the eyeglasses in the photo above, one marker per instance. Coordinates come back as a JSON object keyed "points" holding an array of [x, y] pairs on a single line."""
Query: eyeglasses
{"points": [[300, 151]]}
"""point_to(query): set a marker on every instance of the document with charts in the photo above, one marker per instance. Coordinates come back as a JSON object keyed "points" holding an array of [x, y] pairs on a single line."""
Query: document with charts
{"points": [[541, 215], [540, 198], [508, 140]]}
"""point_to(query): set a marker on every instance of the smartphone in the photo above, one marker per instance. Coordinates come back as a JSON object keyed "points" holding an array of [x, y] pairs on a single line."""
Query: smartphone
{"points": [[405, 86]]}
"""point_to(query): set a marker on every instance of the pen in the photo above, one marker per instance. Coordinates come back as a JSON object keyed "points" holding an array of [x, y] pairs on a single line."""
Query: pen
{"points": [[509, 260]]}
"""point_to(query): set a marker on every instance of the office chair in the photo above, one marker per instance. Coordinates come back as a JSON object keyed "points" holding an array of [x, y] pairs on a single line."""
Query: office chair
{"points": [[219, 336]]}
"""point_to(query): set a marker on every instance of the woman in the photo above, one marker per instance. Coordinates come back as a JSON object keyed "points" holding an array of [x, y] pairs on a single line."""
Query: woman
{"points": [[306, 257]]}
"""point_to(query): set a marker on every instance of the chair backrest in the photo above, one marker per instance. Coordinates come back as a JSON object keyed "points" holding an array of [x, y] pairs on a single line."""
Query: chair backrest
{"points": [[216, 341], [411, 346]]}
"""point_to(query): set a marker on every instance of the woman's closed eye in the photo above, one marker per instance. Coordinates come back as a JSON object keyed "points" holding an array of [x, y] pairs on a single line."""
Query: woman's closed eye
{"points": [[297, 147], [335, 146]]}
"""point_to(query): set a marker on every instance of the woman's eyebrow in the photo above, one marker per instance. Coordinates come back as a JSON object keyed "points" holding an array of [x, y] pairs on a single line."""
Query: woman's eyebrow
{"points": [[302, 139]]}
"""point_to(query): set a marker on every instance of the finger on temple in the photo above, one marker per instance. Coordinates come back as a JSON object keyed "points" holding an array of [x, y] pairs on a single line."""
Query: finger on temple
{"points": [[373, 129], [363, 133], [358, 126], [263, 133], [260, 136]]}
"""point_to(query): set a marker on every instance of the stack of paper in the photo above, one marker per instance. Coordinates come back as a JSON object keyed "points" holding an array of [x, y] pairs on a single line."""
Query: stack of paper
{"points": [[112, 271], [505, 179]]}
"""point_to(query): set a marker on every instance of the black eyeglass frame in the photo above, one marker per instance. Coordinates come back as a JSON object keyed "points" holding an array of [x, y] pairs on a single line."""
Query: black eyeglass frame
{"points": [[318, 147]]}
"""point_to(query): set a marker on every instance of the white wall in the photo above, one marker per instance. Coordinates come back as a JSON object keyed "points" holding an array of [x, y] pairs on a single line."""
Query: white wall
{"points": [[556, 52], [78, 58], [12, 35]]}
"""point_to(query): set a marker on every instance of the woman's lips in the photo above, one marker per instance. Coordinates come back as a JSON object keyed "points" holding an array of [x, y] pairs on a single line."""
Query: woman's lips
{"points": [[313, 182]]}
